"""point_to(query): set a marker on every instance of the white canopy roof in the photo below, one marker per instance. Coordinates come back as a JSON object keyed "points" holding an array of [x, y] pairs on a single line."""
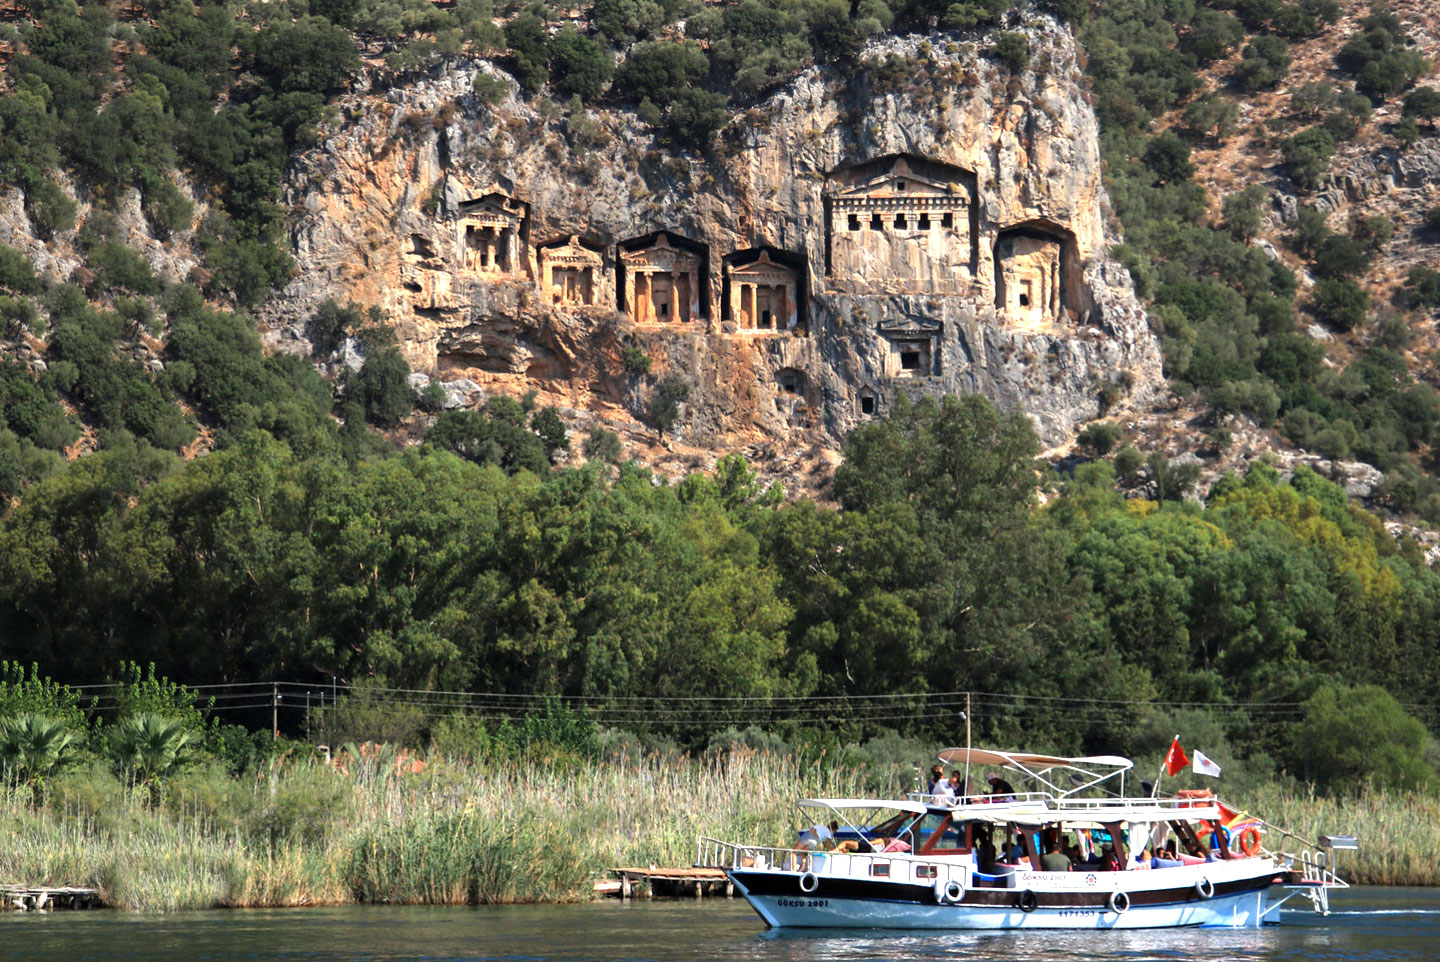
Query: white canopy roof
{"points": [[1087, 771], [1024, 760], [842, 804]]}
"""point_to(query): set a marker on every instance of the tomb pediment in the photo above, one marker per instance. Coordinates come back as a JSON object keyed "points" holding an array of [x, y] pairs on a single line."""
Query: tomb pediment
{"points": [[493, 208], [910, 327], [898, 181], [764, 271], [659, 256], [570, 253]]}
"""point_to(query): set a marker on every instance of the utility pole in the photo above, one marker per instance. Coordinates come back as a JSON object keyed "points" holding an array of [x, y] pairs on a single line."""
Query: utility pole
{"points": [[966, 787], [274, 711]]}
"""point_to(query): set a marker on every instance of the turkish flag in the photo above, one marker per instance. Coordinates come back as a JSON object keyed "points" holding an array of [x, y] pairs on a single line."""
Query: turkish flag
{"points": [[1175, 760]]}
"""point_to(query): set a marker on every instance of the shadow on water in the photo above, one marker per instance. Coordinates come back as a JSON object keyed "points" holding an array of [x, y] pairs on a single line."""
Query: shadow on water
{"points": [[1369, 925]]}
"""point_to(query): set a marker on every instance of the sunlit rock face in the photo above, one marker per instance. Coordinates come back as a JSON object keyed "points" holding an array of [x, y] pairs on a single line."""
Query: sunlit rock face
{"points": [[936, 229]]}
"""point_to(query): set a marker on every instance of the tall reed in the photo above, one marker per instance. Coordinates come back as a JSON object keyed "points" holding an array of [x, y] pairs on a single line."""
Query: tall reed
{"points": [[465, 831]]}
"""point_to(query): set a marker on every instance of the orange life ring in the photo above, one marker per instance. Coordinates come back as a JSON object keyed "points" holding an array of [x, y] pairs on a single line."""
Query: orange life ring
{"points": [[1250, 841]]}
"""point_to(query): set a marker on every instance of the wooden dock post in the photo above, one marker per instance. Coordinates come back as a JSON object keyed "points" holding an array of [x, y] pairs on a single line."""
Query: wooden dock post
{"points": [[669, 881]]}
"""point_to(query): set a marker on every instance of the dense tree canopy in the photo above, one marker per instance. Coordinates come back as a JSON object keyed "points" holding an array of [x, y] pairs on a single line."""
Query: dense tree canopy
{"points": [[940, 572]]}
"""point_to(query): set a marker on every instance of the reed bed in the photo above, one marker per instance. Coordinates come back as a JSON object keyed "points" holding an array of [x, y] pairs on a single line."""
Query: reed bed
{"points": [[465, 832]]}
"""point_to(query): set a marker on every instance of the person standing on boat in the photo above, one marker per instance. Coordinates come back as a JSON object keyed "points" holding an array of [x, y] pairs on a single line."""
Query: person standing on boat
{"points": [[1000, 790], [937, 778]]}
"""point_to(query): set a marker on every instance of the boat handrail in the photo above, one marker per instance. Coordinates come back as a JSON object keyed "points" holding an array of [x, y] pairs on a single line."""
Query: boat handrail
{"points": [[1010, 798], [717, 853], [1140, 802]]}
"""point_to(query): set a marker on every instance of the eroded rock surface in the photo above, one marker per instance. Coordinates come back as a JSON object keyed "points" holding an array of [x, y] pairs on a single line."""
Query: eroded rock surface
{"points": [[929, 224]]}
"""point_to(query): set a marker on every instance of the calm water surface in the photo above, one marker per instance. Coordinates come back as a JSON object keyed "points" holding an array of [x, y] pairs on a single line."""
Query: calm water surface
{"points": [[1378, 924]]}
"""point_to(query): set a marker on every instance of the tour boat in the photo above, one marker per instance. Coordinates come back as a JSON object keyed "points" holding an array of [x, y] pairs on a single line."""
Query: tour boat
{"points": [[976, 861]]}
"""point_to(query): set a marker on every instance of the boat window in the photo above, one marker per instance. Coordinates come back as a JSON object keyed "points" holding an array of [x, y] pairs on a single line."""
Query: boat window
{"points": [[941, 835], [891, 826]]}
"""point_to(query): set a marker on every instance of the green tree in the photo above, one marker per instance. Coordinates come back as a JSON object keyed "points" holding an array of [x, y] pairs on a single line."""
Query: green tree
{"points": [[1243, 217], [1169, 157], [148, 747], [603, 445], [1359, 735], [529, 48], [1265, 62], [1423, 104], [664, 408], [1307, 155], [1012, 49], [579, 65], [33, 747], [1213, 34], [382, 385], [1341, 303]]}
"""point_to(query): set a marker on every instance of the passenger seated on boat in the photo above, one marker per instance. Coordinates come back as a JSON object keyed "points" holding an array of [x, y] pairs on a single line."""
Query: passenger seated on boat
{"points": [[1055, 860], [1143, 861], [1108, 861], [937, 778]]}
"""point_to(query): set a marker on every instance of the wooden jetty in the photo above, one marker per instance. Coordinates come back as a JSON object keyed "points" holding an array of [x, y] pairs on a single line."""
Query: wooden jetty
{"points": [[24, 898], [672, 882]]}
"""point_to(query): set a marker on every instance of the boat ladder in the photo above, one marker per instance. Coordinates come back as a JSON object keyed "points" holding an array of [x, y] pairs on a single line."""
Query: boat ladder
{"points": [[1312, 875]]}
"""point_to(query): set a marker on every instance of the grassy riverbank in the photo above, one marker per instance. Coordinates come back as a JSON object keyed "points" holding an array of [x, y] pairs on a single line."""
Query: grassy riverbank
{"points": [[461, 832]]}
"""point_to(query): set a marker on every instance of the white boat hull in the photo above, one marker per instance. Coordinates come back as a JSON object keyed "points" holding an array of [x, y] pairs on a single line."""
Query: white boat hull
{"points": [[1242, 910]]}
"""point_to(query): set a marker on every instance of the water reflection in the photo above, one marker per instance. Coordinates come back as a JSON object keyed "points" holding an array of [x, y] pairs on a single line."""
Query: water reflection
{"points": [[1370, 925]]}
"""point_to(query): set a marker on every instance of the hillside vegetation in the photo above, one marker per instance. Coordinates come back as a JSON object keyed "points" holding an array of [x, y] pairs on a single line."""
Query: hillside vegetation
{"points": [[307, 545]]}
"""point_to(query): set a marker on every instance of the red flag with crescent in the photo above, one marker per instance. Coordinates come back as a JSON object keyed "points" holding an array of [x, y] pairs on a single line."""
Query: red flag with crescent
{"points": [[1175, 760]]}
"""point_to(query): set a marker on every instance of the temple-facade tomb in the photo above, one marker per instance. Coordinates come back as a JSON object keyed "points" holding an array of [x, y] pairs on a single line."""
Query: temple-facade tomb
{"points": [[764, 294], [1032, 268], [901, 225], [490, 235], [570, 273], [662, 281]]}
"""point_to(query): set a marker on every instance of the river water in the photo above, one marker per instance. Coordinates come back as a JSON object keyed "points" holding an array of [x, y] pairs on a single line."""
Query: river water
{"points": [[1379, 924]]}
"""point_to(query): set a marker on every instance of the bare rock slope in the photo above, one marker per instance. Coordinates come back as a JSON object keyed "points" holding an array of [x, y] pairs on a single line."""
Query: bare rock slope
{"points": [[927, 224]]}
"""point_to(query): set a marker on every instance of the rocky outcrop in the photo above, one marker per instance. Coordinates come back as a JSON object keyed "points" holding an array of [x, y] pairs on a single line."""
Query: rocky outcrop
{"points": [[928, 224], [1386, 170]]}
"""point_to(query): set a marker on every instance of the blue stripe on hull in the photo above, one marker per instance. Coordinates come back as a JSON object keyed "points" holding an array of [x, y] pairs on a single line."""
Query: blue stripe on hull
{"points": [[1243, 910]]}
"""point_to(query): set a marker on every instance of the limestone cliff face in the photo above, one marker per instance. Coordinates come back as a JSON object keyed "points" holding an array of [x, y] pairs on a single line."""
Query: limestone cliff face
{"points": [[930, 224]]}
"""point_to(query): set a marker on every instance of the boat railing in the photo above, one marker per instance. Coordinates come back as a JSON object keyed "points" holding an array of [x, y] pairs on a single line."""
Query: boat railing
{"points": [[1012, 798], [715, 853], [1143, 802]]}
